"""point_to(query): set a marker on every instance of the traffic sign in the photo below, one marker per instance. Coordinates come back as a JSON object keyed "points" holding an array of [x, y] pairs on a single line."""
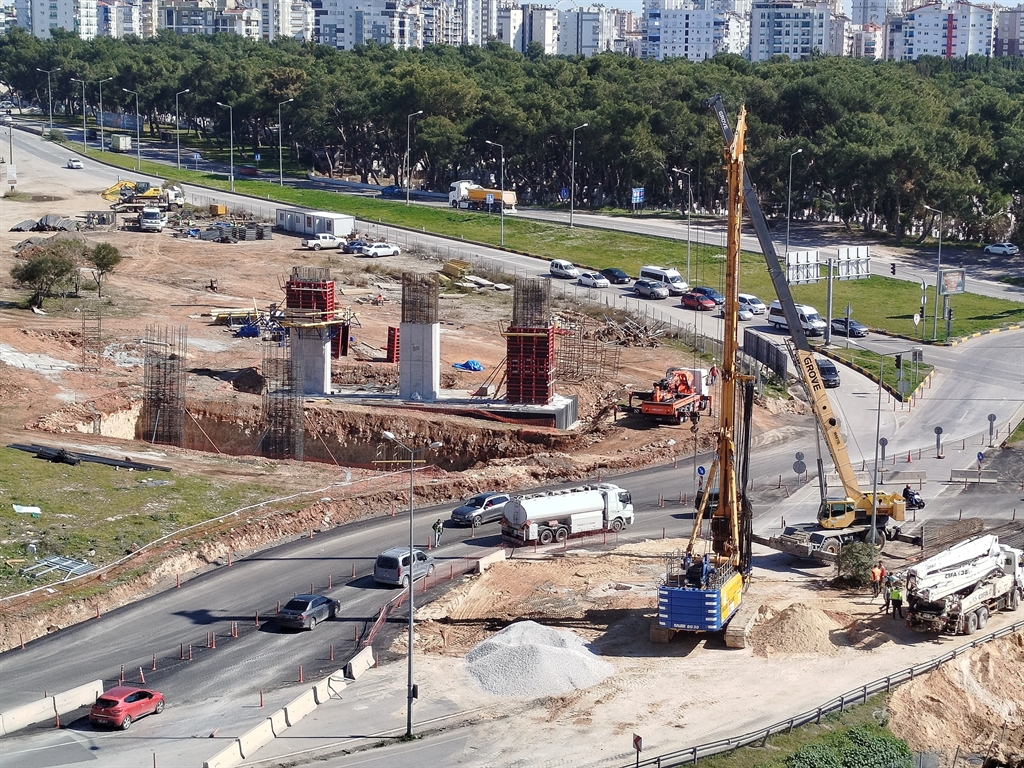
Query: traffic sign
{"points": [[490, 199], [197, 156], [700, 471], [799, 467], [917, 319], [799, 456], [638, 743], [256, 157], [981, 457]]}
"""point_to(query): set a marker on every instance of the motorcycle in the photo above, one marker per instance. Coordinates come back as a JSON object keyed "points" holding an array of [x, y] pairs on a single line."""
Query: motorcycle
{"points": [[914, 500]]}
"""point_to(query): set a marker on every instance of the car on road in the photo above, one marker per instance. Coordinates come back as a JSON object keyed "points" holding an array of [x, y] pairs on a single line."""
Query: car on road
{"points": [[650, 289], [74, 162], [564, 269], [373, 250], [124, 704], [8, 105], [616, 276], [392, 566], [829, 372], [711, 293], [1002, 249], [247, 170], [593, 280], [354, 246], [480, 509], [697, 301], [306, 611], [750, 302], [392, 191], [742, 314], [853, 328]]}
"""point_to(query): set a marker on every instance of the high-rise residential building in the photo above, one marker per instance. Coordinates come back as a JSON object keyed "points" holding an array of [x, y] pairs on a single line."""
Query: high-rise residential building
{"points": [[953, 30], [442, 23], [795, 29], [868, 41], [510, 28], [873, 11], [40, 16], [586, 31], [694, 30], [1009, 35], [349, 23], [118, 18]]}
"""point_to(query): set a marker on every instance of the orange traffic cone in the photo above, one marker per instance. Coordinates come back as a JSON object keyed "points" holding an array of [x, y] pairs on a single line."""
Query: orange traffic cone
{"points": [[909, 459]]}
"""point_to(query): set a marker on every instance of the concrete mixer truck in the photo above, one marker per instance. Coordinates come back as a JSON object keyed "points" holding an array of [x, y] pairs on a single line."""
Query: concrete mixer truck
{"points": [[557, 515]]}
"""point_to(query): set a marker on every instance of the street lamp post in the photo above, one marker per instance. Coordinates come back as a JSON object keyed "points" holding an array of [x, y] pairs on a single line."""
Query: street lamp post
{"points": [[689, 205], [177, 123], [138, 130], [280, 142], [85, 147], [100, 121], [789, 195], [408, 149], [49, 93], [938, 276], [501, 204], [572, 174], [231, 139], [412, 466]]}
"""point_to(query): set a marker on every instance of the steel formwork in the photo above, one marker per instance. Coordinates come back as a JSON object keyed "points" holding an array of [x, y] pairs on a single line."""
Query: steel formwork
{"points": [[531, 303], [163, 406], [310, 294], [282, 404], [419, 299], [530, 365]]}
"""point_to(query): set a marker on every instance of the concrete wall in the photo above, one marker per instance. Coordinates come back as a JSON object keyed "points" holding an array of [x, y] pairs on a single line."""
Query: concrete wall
{"points": [[312, 347], [419, 364]]}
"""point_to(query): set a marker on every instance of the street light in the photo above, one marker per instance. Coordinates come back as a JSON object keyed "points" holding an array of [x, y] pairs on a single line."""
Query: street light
{"points": [[100, 121], [502, 203], [85, 147], [49, 93], [572, 177], [938, 276], [412, 465], [280, 142], [689, 205], [138, 130], [177, 123], [231, 140], [408, 149], [789, 195]]}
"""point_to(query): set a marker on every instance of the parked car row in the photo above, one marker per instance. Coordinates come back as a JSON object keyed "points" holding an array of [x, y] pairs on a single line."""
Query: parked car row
{"points": [[359, 246]]}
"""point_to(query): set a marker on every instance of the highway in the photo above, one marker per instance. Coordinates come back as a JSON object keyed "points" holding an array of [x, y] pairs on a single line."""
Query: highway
{"points": [[982, 376]]}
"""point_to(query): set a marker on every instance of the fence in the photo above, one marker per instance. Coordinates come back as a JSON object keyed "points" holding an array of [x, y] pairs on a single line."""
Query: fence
{"points": [[860, 695]]}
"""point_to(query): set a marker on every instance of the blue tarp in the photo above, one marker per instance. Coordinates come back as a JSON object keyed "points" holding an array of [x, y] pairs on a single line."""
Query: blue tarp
{"points": [[469, 365]]}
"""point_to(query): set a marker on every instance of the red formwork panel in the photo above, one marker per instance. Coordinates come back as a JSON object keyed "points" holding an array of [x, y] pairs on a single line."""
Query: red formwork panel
{"points": [[530, 365], [311, 296], [393, 345]]}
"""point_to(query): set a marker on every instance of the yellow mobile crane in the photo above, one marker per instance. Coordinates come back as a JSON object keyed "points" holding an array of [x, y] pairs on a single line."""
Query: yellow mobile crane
{"points": [[840, 520]]}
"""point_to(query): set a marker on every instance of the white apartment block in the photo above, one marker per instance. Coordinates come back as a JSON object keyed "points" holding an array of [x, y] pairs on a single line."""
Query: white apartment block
{"points": [[868, 42], [291, 18], [118, 18], [442, 23], [586, 31], [874, 11], [953, 31], [480, 21], [510, 28], [40, 16], [344, 25], [795, 29], [1009, 37], [699, 34]]}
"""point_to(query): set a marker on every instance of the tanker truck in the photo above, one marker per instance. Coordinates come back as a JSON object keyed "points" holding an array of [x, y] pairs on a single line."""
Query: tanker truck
{"points": [[473, 197], [956, 590], [557, 515]]}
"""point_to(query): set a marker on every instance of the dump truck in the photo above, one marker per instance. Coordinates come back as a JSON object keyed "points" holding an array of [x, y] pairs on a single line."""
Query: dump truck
{"points": [[152, 219], [557, 515], [956, 590], [473, 197], [675, 398]]}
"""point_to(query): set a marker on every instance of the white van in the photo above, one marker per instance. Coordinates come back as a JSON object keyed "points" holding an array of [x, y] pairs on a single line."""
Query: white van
{"points": [[668, 277], [563, 268], [752, 304], [810, 320]]}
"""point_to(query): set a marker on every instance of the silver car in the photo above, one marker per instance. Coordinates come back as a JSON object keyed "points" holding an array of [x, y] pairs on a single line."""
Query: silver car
{"points": [[305, 611], [479, 509], [392, 566]]}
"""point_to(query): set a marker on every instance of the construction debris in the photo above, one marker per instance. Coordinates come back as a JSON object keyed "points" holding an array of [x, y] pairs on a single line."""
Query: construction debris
{"points": [[67, 457], [51, 222]]}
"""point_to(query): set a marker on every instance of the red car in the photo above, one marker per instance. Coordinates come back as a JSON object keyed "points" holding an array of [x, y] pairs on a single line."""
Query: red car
{"points": [[121, 706], [697, 301]]}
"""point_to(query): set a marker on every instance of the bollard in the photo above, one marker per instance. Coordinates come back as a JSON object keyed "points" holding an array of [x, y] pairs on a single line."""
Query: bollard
{"points": [[213, 637], [177, 584], [780, 481], [97, 611], [1014, 516], [154, 760], [311, 533], [451, 571], [57, 724], [355, 632], [663, 533], [961, 514], [190, 651], [392, 508], [910, 460], [675, 463], [782, 522], [22, 638], [182, 656], [680, 497], [376, 661], [142, 676], [120, 677], [278, 606], [332, 653], [894, 459], [311, 590], [257, 620], [353, 570], [154, 663], [261, 698], [330, 581], [229, 559], [300, 674]]}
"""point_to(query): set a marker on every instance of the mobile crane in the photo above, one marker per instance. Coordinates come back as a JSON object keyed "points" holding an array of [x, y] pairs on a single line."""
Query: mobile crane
{"points": [[840, 520]]}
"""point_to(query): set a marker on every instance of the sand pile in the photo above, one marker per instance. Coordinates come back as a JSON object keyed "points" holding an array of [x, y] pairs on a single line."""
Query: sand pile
{"points": [[798, 629], [528, 659], [974, 703]]}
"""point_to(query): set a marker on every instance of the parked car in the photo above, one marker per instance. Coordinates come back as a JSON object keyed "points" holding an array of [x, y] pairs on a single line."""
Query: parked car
{"points": [[392, 566], [380, 249], [750, 302], [711, 293], [855, 329], [123, 705], [829, 372], [616, 276], [247, 170], [1002, 249], [697, 301], [650, 289], [8, 104], [743, 314], [322, 240], [392, 191], [354, 246], [74, 162], [593, 280], [480, 509], [306, 611], [563, 268]]}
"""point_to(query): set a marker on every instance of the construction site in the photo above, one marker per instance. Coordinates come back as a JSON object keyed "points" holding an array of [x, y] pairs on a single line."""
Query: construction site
{"points": [[262, 358]]}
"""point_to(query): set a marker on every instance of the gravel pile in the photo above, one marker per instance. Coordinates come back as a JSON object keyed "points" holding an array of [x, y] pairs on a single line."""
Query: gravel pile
{"points": [[527, 659]]}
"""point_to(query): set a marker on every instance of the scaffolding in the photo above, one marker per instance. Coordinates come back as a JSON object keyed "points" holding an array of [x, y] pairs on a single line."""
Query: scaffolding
{"points": [[579, 354], [163, 406], [531, 303], [282, 404], [92, 340], [419, 299]]}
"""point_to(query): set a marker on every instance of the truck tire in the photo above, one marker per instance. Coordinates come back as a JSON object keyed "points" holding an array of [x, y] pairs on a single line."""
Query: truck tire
{"points": [[546, 536], [982, 617], [970, 623], [1013, 600], [561, 534], [617, 524], [832, 547]]}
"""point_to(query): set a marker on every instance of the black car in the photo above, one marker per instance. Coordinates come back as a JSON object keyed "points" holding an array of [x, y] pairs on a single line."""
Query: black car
{"points": [[616, 276], [392, 191], [355, 246], [711, 293], [855, 329], [829, 373], [306, 611]]}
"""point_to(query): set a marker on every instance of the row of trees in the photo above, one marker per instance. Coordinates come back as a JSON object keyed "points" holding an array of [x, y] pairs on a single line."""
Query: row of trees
{"points": [[879, 140]]}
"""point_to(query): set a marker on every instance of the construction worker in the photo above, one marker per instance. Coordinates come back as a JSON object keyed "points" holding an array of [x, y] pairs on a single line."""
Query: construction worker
{"points": [[896, 596], [888, 583], [877, 574], [438, 529]]}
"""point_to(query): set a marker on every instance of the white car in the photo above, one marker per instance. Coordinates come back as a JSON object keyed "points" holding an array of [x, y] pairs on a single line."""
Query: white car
{"points": [[380, 249], [593, 280], [74, 162], [750, 302], [564, 269], [1002, 249]]}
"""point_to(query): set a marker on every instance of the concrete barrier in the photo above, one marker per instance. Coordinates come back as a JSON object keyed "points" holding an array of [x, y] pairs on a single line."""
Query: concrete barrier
{"points": [[254, 738], [278, 722], [299, 707], [82, 696], [228, 757], [331, 686], [28, 714], [973, 476], [487, 561], [361, 662]]}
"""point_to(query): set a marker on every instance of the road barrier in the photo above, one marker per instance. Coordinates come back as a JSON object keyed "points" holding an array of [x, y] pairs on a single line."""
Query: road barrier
{"points": [[228, 757], [299, 707], [278, 722], [361, 662], [250, 741], [973, 476], [50, 707]]}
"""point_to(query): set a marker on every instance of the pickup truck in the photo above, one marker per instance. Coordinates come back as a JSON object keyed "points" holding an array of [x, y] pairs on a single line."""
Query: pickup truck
{"points": [[323, 240]]}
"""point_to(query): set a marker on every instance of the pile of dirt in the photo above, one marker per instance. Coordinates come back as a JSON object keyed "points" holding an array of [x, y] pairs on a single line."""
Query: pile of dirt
{"points": [[972, 704], [799, 629]]}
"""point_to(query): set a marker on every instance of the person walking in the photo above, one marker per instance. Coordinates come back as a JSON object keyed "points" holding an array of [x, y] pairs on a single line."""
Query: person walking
{"points": [[896, 596], [438, 529], [713, 373], [888, 583], [877, 574]]}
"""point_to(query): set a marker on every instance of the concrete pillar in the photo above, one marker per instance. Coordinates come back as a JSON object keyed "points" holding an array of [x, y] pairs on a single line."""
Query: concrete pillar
{"points": [[311, 348], [419, 364]]}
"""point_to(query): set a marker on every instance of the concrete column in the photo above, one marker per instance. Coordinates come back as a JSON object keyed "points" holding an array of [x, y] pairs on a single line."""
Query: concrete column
{"points": [[312, 348], [419, 363]]}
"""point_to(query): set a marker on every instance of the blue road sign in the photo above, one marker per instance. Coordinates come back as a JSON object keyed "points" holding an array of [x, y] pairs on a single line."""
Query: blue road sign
{"points": [[700, 471]]}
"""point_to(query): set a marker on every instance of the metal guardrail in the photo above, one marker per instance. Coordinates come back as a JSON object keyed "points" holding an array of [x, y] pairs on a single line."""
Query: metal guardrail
{"points": [[691, 755]]}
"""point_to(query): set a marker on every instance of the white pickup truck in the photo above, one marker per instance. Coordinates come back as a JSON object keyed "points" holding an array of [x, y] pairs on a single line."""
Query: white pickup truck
{"points": [[323, 240]]}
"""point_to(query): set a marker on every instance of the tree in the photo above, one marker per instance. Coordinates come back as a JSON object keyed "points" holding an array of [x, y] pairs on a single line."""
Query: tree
{"points": [[104, 258], [42, 272], [855, 561]]}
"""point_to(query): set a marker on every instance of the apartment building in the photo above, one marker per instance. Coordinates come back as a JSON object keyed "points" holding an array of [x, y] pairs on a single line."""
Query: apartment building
{"points": [[40, 16], [951, 30], [1009, 34], [796, 29]]}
